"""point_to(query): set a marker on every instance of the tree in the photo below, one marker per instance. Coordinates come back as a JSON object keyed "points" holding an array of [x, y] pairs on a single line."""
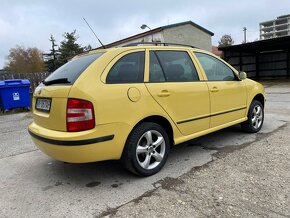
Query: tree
{"points": [[52, 62], [22, 60], [226, 40], [88, 47], [68, 47]]}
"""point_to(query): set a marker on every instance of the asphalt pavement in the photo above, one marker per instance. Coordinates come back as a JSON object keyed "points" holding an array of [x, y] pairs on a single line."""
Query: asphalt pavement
{"points": [[34, 185]]}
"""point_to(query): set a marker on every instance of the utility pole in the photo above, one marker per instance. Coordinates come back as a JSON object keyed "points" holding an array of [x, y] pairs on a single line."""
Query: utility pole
{"points": [[245, 34]]}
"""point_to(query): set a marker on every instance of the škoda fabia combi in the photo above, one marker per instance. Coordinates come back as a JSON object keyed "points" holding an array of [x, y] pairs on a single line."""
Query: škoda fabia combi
{"points": [[133, 103]]}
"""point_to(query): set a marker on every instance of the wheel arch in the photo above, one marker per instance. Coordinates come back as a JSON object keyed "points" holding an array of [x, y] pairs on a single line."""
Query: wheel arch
{"points": [[259, 97], [128, 155], [162, 121]]}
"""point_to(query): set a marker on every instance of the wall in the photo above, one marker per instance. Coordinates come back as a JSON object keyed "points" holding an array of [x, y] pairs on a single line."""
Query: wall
{"points": [[188, 34], [274, 64], [185, 34], [156, 37]]}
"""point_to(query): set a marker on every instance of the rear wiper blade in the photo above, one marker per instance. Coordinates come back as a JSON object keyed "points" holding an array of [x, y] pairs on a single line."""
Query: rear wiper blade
{"points": [[56, 81]]}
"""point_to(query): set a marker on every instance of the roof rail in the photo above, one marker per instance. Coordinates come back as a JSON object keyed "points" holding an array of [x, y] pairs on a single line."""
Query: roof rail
{"points": [[156, 43]]}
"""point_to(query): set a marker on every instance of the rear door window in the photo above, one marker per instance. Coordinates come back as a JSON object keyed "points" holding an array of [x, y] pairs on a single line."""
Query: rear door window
{"points": [[74, 68], [156, 74], [128, 69], [171, 66]]}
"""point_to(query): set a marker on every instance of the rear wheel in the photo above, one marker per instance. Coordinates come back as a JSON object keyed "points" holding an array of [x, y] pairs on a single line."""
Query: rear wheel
{"points": [[255, 118], [146, 149]]}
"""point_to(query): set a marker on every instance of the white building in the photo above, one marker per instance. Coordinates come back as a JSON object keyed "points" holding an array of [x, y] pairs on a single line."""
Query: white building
{"points": [[275, 28], [188, 33]]}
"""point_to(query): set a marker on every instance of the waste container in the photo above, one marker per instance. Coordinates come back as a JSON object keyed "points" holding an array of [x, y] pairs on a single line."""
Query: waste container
{"points": [[14, 94]]}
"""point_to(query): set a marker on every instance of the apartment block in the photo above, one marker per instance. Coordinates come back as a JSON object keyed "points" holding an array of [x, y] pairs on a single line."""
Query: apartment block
{"points": [[275, 28]]}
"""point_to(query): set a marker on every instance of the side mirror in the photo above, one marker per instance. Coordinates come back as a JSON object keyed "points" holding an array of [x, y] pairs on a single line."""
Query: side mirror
{"points": [[242, 75]]}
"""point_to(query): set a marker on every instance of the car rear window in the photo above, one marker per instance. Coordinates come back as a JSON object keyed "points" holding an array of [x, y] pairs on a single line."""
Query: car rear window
{"points": [[73, 69]]}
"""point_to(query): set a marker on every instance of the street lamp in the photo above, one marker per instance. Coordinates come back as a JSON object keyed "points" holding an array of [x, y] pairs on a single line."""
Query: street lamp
{"points": [[144, 26]]}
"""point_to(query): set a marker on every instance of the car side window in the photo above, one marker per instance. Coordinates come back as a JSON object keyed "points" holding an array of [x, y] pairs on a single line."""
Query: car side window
{"points": [[215, 69], [156, 73], [129, 69], [171, 66]]}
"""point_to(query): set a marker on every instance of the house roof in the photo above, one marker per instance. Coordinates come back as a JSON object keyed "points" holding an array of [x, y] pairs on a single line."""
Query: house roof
{"points": [[216, 51], [156, 30], [188, 22]]}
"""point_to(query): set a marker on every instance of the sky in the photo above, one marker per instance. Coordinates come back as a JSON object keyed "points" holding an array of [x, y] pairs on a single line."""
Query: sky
{"points": [[30, 23]]}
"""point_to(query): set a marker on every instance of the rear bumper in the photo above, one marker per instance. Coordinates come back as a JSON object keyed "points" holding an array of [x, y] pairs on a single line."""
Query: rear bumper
{"points": [[104, 142], [71, 142]]}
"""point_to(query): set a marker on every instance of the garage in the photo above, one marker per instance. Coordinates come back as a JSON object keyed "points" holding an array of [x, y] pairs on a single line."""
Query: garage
{"points": [[262, 59]]}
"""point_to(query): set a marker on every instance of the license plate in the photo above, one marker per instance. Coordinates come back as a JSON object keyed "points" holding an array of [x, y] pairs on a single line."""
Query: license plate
{"points": [[43, 104]]}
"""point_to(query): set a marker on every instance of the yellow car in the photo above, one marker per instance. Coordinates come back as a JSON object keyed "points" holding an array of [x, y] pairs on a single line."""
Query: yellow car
{"points": [[132, 103]]}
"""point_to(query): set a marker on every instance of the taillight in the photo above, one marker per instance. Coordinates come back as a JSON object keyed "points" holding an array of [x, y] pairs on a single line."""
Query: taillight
{"points": [[79, 115]]}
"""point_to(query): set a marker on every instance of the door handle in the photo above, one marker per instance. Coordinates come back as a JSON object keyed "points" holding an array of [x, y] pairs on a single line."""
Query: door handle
{"points": [[163, 93], [214, 89]]}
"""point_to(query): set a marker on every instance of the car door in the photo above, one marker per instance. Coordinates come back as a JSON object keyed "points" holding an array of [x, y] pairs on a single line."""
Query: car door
{"points": [[175, 84], [227, 92]]}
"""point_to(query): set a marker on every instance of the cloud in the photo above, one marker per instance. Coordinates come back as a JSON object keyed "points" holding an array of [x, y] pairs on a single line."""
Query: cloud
{"points": [[30, 23]]}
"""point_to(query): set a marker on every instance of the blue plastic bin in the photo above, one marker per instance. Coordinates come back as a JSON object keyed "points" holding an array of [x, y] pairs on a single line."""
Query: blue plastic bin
{"points": [[14, 94]]}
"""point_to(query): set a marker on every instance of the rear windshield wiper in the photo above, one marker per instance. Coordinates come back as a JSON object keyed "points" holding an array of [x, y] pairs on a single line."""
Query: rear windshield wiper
{"points": [[56, 81]]}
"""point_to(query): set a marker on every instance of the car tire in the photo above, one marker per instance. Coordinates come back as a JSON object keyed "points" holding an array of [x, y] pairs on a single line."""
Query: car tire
{"points": [[255, 118], [146, 149]]}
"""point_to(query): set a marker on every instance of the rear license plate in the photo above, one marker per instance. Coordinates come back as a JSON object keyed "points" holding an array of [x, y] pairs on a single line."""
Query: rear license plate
{"points": [[43, 104]]}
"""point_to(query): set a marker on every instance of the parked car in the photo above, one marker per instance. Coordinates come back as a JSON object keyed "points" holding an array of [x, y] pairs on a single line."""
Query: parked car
{"points": [[133, 103]]}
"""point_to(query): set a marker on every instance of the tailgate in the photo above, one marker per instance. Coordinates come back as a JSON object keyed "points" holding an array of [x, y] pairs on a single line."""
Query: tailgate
{"points": [[53, 118]]}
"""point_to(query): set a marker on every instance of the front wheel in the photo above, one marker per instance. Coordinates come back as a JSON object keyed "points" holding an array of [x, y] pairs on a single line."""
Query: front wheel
{"points": [[146, 149], [255, 118]]}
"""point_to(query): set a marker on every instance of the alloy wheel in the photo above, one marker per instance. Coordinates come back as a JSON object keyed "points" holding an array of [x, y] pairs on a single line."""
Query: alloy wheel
{"points": [[150, 149], [257, 116]]}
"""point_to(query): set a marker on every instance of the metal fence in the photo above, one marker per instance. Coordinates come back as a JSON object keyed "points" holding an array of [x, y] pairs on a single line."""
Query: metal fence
{"points": [[34, 78]]}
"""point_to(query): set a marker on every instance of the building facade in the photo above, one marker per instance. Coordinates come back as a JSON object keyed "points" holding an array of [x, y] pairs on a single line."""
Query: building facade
{"points": [[188, 33], [275, 28]]}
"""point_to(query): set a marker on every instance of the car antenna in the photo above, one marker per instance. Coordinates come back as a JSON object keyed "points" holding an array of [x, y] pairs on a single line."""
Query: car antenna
{"points": [[94, 33]]}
